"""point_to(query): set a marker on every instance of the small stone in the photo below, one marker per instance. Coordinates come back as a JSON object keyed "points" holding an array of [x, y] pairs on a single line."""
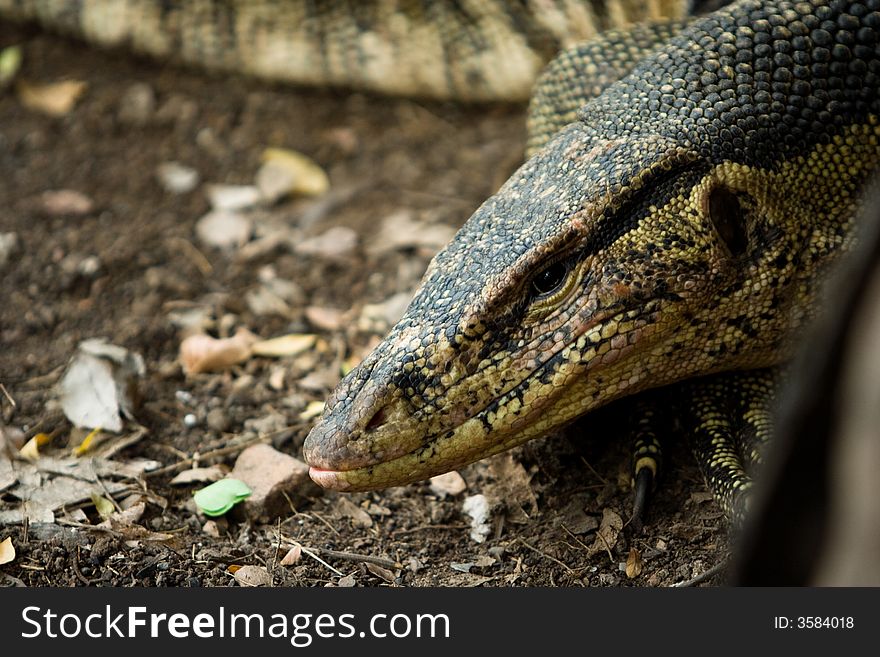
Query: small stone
{"points": [[334, 243], [275, 479], [402, 231], [262, 302], [177, 110], [249, 576], [190, 421], [177, 178], [450, 483], [347, 581], [137, 105], [224, 229], [8, 247], [327, 319], [66, 203], [233, 197], [217, 420], [497, 552]]}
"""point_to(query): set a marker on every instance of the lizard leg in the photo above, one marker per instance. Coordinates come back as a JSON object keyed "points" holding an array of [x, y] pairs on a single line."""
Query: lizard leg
{"points": [[727, 419]]}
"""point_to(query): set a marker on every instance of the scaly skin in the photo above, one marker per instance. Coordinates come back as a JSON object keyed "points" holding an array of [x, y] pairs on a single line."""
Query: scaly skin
{"points": [[471, 50], [688, 217]]}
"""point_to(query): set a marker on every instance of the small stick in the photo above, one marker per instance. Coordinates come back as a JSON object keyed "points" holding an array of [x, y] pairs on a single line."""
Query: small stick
{"points": [[7, 395], [366, 558], [318, 559], [547, 556], [699, 579], [223, 451], [350, 556]]}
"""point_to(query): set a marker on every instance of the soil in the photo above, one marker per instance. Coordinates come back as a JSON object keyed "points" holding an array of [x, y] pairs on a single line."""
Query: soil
{"points": [[121, 270]]}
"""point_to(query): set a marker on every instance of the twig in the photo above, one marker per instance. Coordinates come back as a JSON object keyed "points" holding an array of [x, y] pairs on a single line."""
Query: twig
{"points": [[196, 257], [315, 514], [44, 379], [699, 579], [593, 470], [7, 395], [318, 559], [349, 556], [85, 525], [607, 547], [113, 447], [547, 556], [76, 571], [223, 451], [422, 528]]}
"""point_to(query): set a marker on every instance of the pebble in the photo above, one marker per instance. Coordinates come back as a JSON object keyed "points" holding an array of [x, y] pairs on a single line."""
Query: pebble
{"points": [[223, 229], [233, 197], [217, 420], [66, 202], [276, 480], [138, 104], [190, 421], [176, 177], [334, 243], [8, 247]]}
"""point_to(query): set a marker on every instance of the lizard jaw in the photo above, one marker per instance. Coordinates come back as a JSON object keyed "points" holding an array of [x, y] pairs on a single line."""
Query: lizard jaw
{"points": [[504, 423]]}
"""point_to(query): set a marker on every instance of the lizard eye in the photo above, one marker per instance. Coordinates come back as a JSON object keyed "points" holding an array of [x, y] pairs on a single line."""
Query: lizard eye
{"points": [[727, 215], [550, 279]]}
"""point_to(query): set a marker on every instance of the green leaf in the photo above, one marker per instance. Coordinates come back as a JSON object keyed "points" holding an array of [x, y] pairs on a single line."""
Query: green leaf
{"points": [[219, 497]]}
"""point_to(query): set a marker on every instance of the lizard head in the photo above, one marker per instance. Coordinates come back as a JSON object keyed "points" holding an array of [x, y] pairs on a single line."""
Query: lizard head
{"points": [[676, 229], [602, 267]]}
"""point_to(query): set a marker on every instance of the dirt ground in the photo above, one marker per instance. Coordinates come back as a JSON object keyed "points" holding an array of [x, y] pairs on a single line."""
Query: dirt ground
{"points": [[123, 268]]}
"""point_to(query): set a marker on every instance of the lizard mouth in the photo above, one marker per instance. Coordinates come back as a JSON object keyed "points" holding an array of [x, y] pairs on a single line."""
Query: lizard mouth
{"points": [[505, 421]]}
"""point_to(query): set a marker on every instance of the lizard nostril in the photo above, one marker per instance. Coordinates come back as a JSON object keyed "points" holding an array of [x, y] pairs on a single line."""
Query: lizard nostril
{"points": [[378, 419]]}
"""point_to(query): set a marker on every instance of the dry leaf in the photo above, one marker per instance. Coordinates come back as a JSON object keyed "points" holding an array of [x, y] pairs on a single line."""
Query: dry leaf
{"points": [[103, 506], [293, 556], [285, 345], [30, 450], [606, 535], [301, 175], [252, 576], [54, 99], [7, 551], [87, 443], [515, 485], [327, 319], [348, 509], [401, 231], [202, 353], [10, 64], [381, 573], [100, 385], [633, 563]]}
